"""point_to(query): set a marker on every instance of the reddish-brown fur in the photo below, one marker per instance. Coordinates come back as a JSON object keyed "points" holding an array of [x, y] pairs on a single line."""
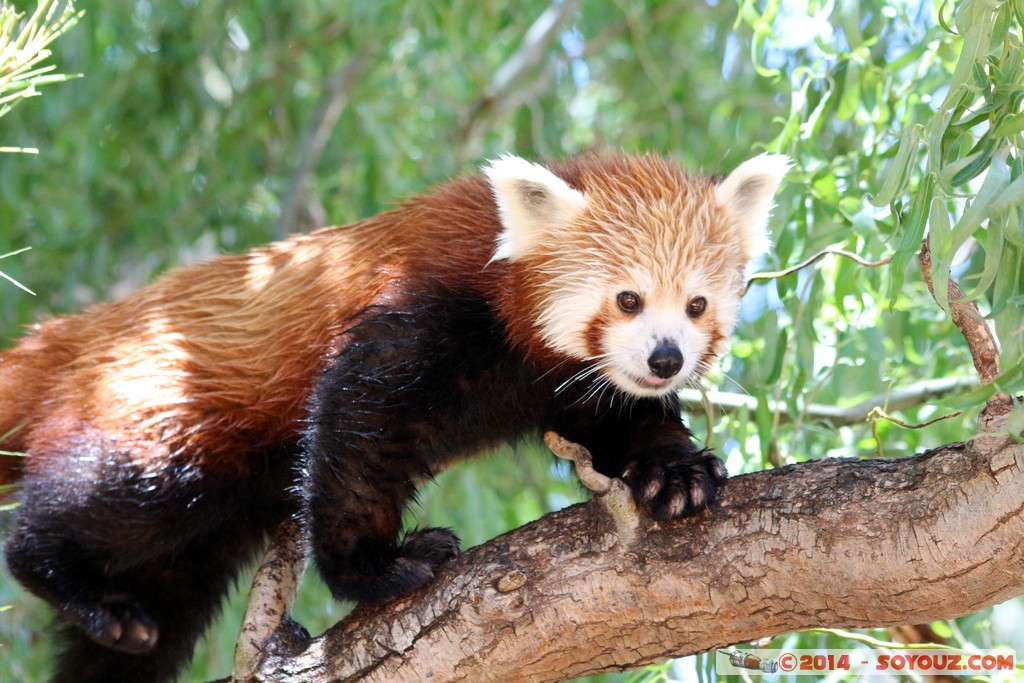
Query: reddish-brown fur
{"points": [[218, 357]]}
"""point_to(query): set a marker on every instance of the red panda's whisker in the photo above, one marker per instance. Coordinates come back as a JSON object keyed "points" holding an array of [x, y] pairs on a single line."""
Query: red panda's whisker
{"points": [[736, 384], [584, 373]]}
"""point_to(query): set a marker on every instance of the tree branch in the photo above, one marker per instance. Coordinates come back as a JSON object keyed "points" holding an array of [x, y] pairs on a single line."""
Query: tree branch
{"points": [[505, 89], [828, 543], [981, 340], [267, 628], [337, 90]]}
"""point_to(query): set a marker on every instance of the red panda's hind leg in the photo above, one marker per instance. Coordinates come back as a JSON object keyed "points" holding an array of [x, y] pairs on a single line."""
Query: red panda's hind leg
{"points": [[136, 563], [55, 567], [116, 622], [182, 595], [127, 625]]}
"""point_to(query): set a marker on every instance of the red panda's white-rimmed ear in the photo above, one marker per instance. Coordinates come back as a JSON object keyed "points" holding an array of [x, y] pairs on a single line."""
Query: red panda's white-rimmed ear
{"points": [[748, 193], [531, 199]]}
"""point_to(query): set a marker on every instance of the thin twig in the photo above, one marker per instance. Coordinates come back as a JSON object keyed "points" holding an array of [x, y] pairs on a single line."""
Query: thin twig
{"points": [[613, 494], [878, 414], [775, 275], [585, 472]]}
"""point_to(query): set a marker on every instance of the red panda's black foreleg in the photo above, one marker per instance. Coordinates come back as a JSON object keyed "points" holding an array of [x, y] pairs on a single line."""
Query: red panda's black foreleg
{"points": [[361, 466], [413, 388]]}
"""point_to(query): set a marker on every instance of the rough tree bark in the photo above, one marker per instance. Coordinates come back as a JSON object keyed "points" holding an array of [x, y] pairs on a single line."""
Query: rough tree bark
{"points": [[595, 587]]}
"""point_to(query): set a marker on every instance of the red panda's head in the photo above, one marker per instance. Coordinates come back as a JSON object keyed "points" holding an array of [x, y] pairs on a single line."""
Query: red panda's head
{"points": [[630, 264]]}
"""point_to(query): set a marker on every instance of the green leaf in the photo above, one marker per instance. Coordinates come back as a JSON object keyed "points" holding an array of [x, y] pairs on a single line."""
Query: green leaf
{"points": [[940, 16], [1013, 225], [913, 232], [792, 127], [1001, 25], [939, 234], [970, 166], [14, 282], [850, 98], [821, 116], [1009, 277], [994, 244], [1011, 195], [981, 207], [775, 371], [1010, 378], [974, 20], [896, 175]]}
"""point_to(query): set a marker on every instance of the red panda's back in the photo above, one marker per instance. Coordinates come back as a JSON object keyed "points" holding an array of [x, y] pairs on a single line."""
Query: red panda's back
{"points": [[215, 360], [208, 362]]}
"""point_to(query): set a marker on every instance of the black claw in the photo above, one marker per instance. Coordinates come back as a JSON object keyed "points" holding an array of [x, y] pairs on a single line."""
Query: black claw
{"points": [[675, 487], [419, 557]]}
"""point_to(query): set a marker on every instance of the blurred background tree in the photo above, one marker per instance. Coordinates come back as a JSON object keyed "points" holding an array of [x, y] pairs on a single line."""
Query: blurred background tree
{"points": [[209, 127]]}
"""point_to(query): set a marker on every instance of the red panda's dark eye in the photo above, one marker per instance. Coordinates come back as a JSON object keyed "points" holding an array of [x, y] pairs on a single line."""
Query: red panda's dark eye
{"points": [[629, 302], [696, 307]]}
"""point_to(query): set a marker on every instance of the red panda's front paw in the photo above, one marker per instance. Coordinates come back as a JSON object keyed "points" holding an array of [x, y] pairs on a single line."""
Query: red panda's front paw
{"points": [[677, 486], [429, 547], [376, 572], [420, 556]]}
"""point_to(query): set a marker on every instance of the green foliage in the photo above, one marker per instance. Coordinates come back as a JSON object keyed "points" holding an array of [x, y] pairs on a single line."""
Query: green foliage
{"points": [[203, 127], [23, 44], [900, 127], [978, 128]]}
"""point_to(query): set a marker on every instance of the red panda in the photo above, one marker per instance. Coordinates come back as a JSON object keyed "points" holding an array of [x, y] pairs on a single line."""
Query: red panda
{"points": [[328, 374]]}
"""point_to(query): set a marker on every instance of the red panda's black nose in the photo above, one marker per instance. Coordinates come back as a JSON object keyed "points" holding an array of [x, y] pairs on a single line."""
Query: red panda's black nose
{"points": [[665, 361]]}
